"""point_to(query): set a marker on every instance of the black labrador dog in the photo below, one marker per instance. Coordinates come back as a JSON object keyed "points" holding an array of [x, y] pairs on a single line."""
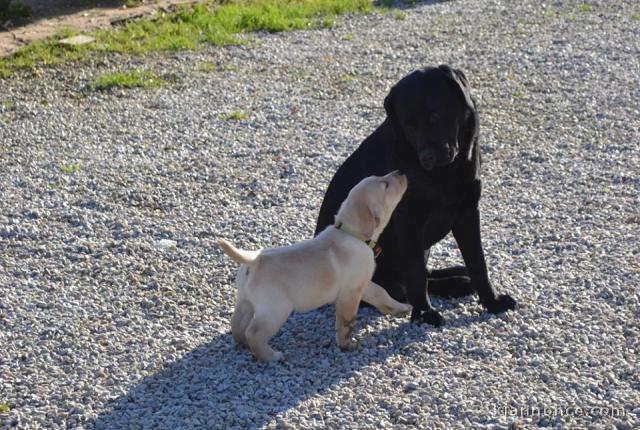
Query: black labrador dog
{"points": [[431, 135]]}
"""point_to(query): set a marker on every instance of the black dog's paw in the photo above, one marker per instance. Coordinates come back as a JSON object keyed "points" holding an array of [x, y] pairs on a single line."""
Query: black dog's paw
{"points": [[429, 316], [503, 303]]}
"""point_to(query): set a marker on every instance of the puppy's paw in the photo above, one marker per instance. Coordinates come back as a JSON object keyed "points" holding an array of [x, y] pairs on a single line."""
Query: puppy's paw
{"points": [[503, 303], [349, 344], [274, 357], [429, 316]]}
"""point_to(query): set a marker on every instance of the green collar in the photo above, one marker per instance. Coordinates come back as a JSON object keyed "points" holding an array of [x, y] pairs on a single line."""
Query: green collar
{"points": [[377, 249]]}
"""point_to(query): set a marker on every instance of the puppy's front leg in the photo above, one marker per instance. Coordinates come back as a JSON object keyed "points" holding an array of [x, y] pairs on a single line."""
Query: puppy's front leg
{"points": [[346, 312]]}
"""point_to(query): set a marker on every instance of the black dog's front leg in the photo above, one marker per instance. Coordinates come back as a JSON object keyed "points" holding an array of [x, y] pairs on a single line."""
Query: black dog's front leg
{"points": [[416, 284], [466, 231]]}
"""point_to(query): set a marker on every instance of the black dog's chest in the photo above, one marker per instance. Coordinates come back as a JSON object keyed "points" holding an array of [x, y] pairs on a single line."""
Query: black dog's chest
{"points": [[439, 207], [437, 225]]}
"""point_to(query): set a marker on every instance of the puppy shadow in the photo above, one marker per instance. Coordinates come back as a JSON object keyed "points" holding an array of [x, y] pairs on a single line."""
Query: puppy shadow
{"points": [[221, 385]]}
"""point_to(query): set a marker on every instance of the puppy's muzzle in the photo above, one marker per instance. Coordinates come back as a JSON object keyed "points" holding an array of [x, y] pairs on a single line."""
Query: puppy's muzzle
{"points": [[397, 174]]}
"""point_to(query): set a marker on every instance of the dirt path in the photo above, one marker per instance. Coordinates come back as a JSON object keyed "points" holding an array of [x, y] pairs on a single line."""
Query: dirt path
{"points": [[83, 15]]}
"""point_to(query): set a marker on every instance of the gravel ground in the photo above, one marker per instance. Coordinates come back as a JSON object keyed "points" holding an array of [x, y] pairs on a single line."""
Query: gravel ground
{"points": [[115, 301]]}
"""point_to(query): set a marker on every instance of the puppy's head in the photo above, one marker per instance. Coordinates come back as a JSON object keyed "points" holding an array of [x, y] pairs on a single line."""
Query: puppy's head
{"points": [[369, 205], [433, 113]]}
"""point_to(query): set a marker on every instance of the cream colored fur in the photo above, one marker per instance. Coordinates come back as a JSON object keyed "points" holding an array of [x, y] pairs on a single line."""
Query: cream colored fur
{"points": [[333, 267]]}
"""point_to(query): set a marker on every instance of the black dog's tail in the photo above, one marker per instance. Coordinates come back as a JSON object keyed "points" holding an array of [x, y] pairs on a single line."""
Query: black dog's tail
{"points": [[451, 282]]}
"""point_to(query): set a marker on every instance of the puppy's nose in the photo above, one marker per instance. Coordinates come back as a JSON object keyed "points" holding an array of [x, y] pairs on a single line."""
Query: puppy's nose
{"points": [[427, 159]]}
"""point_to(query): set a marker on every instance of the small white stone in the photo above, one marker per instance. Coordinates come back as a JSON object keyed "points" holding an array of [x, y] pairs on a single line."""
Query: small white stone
{"points": [[165, 244], [80, 39]]}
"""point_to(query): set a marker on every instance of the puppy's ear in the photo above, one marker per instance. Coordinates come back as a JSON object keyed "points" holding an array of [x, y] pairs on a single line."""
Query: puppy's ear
{"points": [[372, 219]]}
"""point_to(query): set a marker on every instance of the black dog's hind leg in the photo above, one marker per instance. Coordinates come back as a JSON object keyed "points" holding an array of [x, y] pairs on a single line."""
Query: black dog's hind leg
{"points": [[448, 272], [466, 231], [451, 282]]}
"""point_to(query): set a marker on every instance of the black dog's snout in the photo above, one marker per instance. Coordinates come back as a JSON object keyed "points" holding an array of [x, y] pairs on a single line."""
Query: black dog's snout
{"points": [[427, 159]]}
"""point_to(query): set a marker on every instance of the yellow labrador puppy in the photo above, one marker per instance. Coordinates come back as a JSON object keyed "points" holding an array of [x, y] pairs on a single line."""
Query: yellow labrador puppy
{"points": [[334, 267]]}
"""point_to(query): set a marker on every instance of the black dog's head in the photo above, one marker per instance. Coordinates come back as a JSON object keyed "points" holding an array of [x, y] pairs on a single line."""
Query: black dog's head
{"points": [[434, 116]]}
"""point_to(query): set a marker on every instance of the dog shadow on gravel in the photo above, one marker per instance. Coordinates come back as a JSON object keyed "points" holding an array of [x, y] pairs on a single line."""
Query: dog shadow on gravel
{"points": [[220, 385]]}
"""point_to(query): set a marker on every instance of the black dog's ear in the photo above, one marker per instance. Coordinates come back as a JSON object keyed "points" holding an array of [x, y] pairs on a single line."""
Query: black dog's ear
{"points": [[461, 81], [470, 128], [388, 104], [390, 108]]}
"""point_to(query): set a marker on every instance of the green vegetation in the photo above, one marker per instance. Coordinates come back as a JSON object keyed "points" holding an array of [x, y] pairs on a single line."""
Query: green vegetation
{"points": [[399, 15], [223, 22], [585, 7], [345, 79], [129, 79], [207, 67], [4, 408], [635, 16], [519, 95], [70, 168], [236, 115]]}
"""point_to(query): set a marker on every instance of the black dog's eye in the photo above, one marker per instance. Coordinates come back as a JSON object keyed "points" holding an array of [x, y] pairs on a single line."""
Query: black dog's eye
{"points": [[434, 117]]}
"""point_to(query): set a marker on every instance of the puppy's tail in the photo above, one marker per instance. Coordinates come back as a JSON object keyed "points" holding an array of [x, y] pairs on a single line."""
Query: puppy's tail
{"points": [[241, 256]]}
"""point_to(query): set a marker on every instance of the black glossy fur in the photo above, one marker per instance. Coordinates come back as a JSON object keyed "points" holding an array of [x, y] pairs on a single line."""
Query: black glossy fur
{"points": [[431, 135]]}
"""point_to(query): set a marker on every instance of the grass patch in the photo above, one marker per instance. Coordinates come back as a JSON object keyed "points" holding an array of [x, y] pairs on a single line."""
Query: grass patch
{"points": [[4, 408], [129, 79], [207, 67], [585, 8], [70, 168], [223, 22], [348, 37], [236, 115], [8, 105], [345, 79], [399, 15], [635, 17]]}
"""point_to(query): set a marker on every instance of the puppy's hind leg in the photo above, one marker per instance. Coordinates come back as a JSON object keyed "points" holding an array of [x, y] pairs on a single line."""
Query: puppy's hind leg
{"points": [[262, 328], [346, 312], [242, 316], [377, 296]]}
